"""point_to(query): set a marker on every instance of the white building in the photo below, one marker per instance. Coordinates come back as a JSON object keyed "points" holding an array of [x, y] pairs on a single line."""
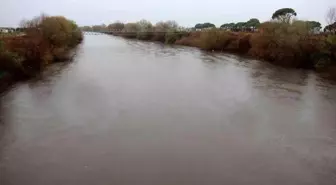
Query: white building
{"points": [[3, 30]]}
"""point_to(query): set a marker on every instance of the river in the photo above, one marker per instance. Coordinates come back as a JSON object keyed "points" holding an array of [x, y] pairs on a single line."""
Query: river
{"points": [[139, 113]]}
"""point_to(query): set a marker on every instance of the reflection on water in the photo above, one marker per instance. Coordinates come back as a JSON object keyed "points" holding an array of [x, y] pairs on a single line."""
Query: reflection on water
{"points": [[132, 112]]}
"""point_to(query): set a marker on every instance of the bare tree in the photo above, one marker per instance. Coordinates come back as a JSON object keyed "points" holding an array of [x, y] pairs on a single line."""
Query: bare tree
{"points": [[116, 26], [331, 15], [131, 27], [24, 23], [144, 25], [166, 26]]}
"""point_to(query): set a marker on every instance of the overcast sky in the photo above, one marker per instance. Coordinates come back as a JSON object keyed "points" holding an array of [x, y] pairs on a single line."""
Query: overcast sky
{"points": [[185, 12]]}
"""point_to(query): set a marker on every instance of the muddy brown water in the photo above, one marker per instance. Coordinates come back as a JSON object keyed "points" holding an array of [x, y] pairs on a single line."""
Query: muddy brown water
{"points": [[140, 113]]}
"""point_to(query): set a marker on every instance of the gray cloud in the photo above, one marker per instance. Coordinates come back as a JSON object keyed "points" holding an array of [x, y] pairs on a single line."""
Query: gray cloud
{"points": [[185, 12]]}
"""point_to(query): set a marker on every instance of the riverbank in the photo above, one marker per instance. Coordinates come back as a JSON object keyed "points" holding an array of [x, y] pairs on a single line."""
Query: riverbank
{"points": [[287, 45], [291, 50], [48, 39]]}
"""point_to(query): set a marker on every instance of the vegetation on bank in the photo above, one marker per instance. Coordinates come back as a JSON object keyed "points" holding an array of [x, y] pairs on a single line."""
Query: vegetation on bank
{"points": [[283, 40], [46, 39], [165, 31]]}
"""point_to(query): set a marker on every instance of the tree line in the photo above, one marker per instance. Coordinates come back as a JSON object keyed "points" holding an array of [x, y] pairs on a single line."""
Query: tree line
{"points": [[283, 15], [140, 26]]}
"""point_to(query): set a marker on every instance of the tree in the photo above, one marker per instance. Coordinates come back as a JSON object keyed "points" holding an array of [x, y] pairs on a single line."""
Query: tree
{"points": [[331, 20], [314, 25], [284, 15], [166, 26], [56, 30], [227, 26], [299, 26], [204, 25], [330, 28], [253, 23], [23, 23], [144, 25], [172, 24], [331, 16], [33, 25], [224, 26], [208, 25], [116, 26], [99, 28], [199, 26], [239, 26], [231, 25], [86, 28], [131, 27]]}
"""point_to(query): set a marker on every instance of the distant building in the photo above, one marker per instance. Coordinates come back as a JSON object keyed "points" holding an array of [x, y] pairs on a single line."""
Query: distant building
{"points": [[4, 30], [202, 29]]}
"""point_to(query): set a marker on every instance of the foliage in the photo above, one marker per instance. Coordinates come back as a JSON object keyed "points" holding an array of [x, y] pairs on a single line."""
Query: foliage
{"points": [[144, 26], [330, 28], [86, 28], [287, 44], [99, 28], [161, 29], [228, 26], [253, 23], [116, 26], [31, 25], [47, 39], [172, 37], [166, 26], [191, 39], [131, 27], [331, 39], [214, 39], [284, 15], [314, 25], [9, 61], [331, 45], [56, 30], [204, 25], [240, 25], [250, 25]]}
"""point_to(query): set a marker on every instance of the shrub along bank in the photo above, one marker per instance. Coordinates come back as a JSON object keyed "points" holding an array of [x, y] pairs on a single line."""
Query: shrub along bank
{"points": [[277, 46], [285, 43], [282, 41], [282, 44], [47, 39]]}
